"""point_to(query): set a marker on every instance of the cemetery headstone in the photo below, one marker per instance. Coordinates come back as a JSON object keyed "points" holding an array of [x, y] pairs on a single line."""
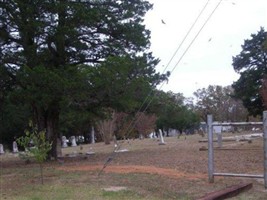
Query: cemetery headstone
{"points": [[161, 138], [121, 150], [73, 141], [90, 152], [2, 149], [64, 142], [93, 135], [15, 147]]}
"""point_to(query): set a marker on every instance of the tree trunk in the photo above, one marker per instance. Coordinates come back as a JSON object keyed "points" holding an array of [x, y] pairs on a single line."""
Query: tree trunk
{"points": [[52, 121], [107, 137], [48, 121], [38, 117]]}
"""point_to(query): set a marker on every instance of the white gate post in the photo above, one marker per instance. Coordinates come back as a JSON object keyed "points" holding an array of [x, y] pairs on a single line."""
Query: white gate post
{"points": [[210, 149]]}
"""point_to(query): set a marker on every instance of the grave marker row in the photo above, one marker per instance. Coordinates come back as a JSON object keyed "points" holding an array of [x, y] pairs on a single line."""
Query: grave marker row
{"points": [[14, 148]]}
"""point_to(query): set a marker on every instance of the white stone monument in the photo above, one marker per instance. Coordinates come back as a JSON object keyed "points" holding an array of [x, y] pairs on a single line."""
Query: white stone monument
{"points": [[90, 152], [161, 138], [73, 141], [93, 135], [15, 147], [121, 150], [64, 142], [2, 149]]}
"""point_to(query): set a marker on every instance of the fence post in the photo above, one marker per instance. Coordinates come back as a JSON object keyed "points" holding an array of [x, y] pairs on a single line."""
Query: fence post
{"points": [[265, 147], [210, 149]]}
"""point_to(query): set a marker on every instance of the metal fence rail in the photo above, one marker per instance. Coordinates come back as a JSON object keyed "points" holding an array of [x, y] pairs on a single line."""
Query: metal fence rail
{"points": [[236, 123], [211, 172]]}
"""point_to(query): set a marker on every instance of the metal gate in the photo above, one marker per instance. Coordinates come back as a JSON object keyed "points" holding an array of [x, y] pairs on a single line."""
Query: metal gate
{"points": [[211, 172]]}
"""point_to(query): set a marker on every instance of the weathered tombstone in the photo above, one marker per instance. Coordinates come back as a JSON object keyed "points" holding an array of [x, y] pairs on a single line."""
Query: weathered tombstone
{"points": [[2, 149], [64, 142], [121, 150], [90, 152], [153, 135], [93, 135], [161, 138], [73, 141], [15, 147]]}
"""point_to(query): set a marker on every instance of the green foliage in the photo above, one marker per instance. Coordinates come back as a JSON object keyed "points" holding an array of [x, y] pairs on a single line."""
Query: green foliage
{"points": [[173, 112], [12, 117], [251, 64], [185, 119], [124, 82], [13, 120], [35, 144], [70, 60]]}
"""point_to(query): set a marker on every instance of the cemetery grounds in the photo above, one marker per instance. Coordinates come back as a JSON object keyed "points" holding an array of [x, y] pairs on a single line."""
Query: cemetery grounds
{"points": [[143, 170]]}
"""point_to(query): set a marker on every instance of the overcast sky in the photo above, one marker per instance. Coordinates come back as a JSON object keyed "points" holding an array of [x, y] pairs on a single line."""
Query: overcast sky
{"points": [[209, 60]]}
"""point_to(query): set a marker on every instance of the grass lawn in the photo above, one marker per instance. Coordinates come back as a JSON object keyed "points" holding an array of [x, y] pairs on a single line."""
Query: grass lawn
{"points": [[177, 170]]}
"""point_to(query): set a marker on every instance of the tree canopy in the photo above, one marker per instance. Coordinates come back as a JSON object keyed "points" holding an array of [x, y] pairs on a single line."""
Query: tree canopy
{"points": [[219, 102], [173, 112], [251, 64], [59, 55]]}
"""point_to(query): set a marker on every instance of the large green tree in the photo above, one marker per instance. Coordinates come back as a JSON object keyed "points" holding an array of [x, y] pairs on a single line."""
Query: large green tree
{"points": [[173, 112], [251, 64], [118, 83], [47, 47]]}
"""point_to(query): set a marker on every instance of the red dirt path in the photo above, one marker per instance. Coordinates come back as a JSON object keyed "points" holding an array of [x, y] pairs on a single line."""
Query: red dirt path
{"points": [[124, 169]]}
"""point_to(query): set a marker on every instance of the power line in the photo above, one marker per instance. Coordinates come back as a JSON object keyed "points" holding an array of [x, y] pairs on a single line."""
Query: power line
{"points": [[185, 37], [188, 32], [178, 48], [196, 35], [131, 126]]}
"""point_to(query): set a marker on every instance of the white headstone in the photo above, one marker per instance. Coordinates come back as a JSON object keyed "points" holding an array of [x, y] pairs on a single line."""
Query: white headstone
{"points": [[64, 141], [15, 147], [90, 152], [161, 137], [121, 150], [93, 135], [2, 149], [73, 141]]}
